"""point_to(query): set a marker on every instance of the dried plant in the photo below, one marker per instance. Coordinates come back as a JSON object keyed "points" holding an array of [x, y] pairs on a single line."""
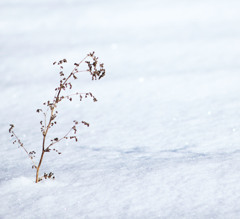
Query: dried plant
{"points": [[96, 71]]}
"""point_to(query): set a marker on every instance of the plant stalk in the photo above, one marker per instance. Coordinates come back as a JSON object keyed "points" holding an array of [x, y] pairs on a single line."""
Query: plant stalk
{"points": [[43, 146]]}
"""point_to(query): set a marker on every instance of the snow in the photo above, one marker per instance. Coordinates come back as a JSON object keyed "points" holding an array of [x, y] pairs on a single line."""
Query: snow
{"points": [[163, 140]]}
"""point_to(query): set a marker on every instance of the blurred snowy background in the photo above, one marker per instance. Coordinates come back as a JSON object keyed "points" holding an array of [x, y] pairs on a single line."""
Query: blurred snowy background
{"points": [[164, 139]]}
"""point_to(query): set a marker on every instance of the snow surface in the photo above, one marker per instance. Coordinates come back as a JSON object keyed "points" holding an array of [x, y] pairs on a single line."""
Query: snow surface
{"points": [[164, 139]]}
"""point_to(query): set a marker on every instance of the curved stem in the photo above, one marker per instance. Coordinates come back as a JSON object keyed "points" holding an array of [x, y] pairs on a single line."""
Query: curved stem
{"points": [[40, 161], [43, 145]]}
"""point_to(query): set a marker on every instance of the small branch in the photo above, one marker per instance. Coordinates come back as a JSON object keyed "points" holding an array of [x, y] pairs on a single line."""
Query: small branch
{"points": [[45, 118], [56, 99], [80, 71], [59, 139], [21, 145]]}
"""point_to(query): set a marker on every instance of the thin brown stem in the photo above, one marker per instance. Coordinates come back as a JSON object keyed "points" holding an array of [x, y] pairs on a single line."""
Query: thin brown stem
{"points": [[80, 71], [21, 145], [60, 88], [59, 139], [40, 161], [43, 145]]}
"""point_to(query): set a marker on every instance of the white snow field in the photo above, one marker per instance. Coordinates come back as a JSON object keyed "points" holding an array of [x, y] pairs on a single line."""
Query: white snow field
{"points": [[164, 136]]}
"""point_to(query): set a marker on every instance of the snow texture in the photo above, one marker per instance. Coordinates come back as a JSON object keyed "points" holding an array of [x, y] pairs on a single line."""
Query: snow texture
{"points": [[164, 137]]}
